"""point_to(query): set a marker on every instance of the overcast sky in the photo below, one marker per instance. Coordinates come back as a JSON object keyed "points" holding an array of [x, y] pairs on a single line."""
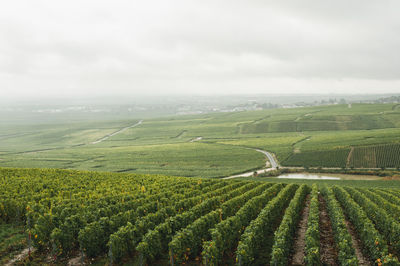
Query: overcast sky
{"points": [[55, 48]]}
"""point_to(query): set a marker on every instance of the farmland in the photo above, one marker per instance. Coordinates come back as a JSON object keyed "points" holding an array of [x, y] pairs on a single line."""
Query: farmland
{"points": [[210, 145], [376, 156], [12, 240], [128, 218], [149, 191], [199, 133]]}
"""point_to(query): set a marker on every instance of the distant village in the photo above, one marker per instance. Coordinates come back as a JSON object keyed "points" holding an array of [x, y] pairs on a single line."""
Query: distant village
{"points": [[182, 107]]}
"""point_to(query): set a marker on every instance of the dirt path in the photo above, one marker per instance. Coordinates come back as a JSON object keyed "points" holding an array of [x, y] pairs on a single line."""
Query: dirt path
{"points": [[274, 163], [75, 261], [24, 253], [180, 134], [327, 242], [349, 157], [271, 163], [299, 241], [117, 132], [196, 139], [362, 260]]}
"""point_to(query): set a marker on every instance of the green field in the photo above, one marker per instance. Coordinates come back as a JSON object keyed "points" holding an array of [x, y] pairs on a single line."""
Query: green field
{"points": [[131, 219], [210, 145], [386, 156]]}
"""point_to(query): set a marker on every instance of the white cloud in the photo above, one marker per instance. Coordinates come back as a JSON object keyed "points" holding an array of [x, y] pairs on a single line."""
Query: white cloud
{"points": [[186, 46]]}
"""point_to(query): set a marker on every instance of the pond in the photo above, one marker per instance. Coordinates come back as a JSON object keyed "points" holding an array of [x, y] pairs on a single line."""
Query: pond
{"points": [[309, 176], [325, 176]]}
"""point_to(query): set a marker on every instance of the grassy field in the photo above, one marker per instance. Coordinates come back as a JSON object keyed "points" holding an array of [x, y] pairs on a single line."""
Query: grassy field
{"points": [[211, 145], [184, 159]]}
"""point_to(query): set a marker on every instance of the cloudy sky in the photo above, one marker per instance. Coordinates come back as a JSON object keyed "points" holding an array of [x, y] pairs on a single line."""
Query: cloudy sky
{"points": [[198, 47]]}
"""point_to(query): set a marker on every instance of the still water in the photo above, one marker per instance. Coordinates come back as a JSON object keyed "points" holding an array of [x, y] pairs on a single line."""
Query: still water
{"points": [[310, 176]]}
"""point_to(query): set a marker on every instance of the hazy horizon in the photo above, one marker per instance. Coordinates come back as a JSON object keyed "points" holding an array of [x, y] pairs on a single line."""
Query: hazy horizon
{"points": [[112, 98]]}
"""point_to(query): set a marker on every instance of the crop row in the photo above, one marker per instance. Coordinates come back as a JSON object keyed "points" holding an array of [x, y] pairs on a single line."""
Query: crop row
{"points": [[254, 237], [165, 220], [155, 242], [312, 249], [384, 222], [343, 239], [127, 236], [187, 242], [371, 239], [386, 156], [329, 158], [284, 236], [91, 228], [89, 235], [226, 234], [377, 156]]}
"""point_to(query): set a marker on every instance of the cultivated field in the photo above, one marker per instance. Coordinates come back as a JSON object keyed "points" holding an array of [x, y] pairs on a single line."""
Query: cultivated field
{"points": [[146, 219], [210, 145], [137, 213]]}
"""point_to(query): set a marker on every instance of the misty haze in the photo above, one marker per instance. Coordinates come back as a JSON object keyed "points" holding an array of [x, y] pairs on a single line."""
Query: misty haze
{"points": [[199, 132]]}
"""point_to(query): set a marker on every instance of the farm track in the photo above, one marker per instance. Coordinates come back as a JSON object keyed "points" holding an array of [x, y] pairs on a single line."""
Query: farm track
{"points": [[327, 242], [21, 256], [77, 145], [349, 157], [301, 140], [196, 139], [299, 241], [274, 164], [75, 260], [362, 260], [117, 132], [34, 151], [180, 134]]}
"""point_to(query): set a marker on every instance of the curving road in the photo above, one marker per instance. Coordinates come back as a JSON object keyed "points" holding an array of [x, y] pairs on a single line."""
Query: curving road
{"points": [[271, 159], [274, 163]]}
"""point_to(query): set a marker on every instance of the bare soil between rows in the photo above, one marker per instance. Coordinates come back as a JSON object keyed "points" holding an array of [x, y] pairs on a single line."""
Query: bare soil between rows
{"points": [[19, 257], [362, 260], [328, 251], [300, 238]]}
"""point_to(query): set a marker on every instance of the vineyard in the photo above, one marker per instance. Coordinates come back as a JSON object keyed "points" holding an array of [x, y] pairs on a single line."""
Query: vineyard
{"points": [[386, 156], [319, 136], [373, 156], [330, 158], [318, 123], [149, 219]]}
